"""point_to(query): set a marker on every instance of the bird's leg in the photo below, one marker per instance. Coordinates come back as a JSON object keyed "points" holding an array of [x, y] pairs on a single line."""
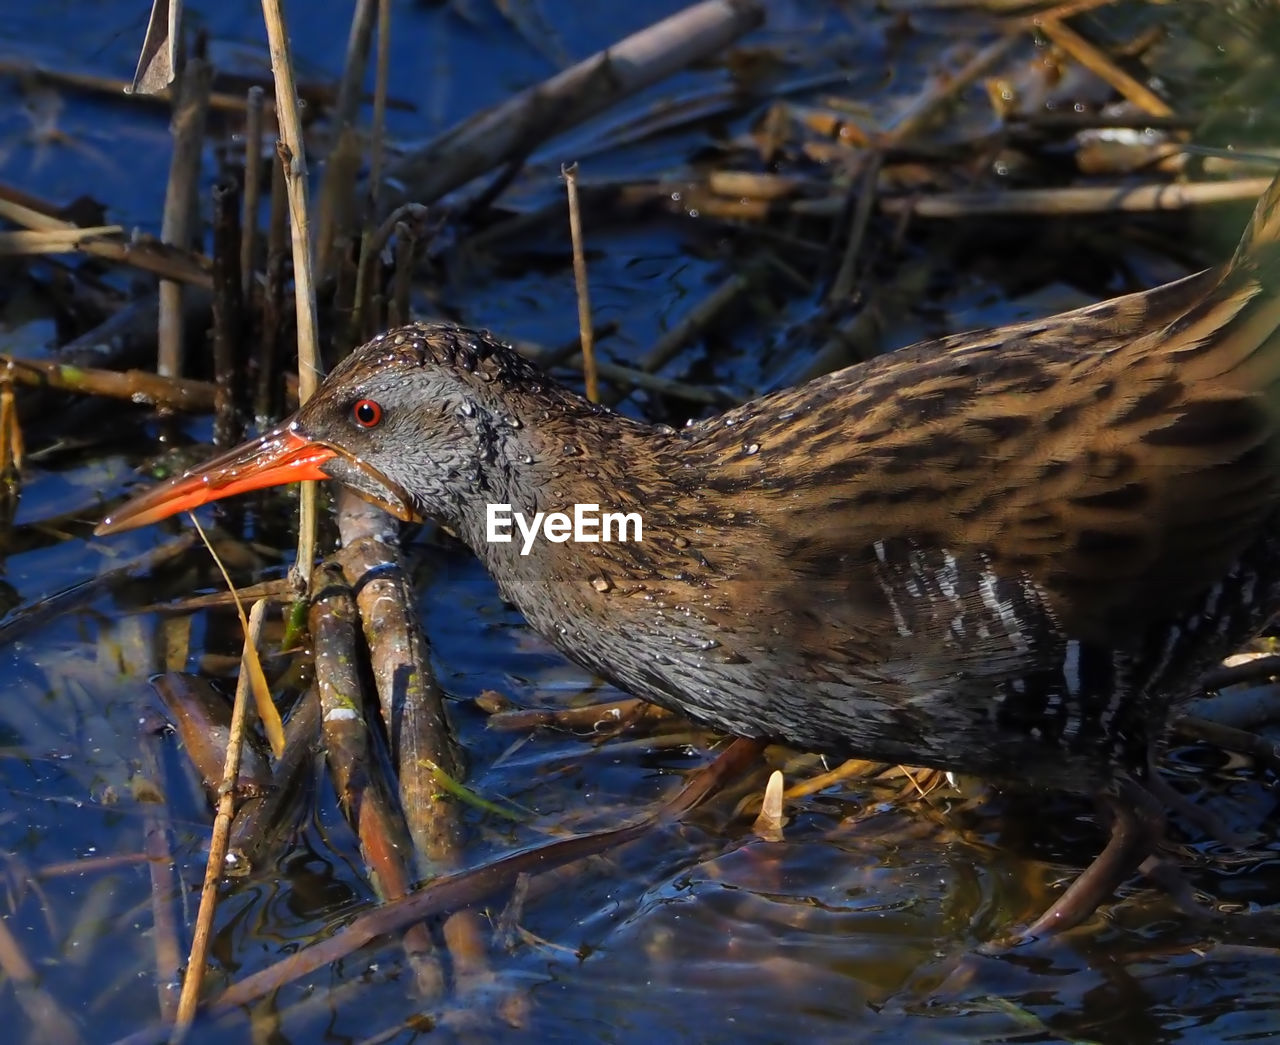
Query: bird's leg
{"points": [[1137, 823]]}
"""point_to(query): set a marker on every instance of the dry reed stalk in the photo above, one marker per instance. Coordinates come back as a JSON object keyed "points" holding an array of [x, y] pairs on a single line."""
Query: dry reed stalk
{"points": [[507, 132], [293, 158], [590, 374], [178, 223], [215, 866]]}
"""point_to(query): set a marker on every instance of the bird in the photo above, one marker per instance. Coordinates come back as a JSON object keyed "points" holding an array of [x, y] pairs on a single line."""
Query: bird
{"points": [[1010, 553]]}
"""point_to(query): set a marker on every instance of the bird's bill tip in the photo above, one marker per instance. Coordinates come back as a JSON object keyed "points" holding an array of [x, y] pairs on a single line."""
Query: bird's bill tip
{"points": [[281, 456]]}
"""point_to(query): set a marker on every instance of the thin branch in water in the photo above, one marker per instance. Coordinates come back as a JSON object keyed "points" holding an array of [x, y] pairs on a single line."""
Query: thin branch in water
{"points": [[944, 89], [466, 888], [11, 441], [168, 261], [218, 841], [160, 871], [259, 822], [399, 311], [53, 241], [698, 319], [22, 621]]}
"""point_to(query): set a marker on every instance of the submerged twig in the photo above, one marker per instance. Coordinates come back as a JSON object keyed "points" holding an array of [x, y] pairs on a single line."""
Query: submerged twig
{"points": [[467, 888], [698, 319], [275, 591], [164, 891], [627, 377], [202, 717], [49, 1020], [53, 241], [1229, 738], [607, 717], [21, 622], [12, 448], [843, 285], [946, 87]]}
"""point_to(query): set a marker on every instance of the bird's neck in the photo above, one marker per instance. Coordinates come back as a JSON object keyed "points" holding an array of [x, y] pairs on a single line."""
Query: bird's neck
{"points": [[549, 457]]}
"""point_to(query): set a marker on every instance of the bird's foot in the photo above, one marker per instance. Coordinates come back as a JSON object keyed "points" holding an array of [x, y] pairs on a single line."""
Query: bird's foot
{"points": [[1137, 825]]}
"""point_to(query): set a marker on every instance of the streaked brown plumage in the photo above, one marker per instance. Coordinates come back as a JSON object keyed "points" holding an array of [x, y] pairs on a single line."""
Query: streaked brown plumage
{"points": [[1009, 552]]}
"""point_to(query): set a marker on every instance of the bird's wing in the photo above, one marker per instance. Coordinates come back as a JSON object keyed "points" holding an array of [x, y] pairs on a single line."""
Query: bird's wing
{"points": [[1003, 492]]}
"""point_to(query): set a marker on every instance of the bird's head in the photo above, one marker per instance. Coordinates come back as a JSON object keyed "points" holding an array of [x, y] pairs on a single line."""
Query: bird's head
{"points": [[422, 421]]}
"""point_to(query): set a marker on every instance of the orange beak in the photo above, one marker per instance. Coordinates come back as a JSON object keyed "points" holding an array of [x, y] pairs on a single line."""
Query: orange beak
{"points": [[280, 456]]}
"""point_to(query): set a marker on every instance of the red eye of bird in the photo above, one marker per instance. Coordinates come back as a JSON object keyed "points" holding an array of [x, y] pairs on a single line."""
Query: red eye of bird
{"points": [[367, 413]]}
